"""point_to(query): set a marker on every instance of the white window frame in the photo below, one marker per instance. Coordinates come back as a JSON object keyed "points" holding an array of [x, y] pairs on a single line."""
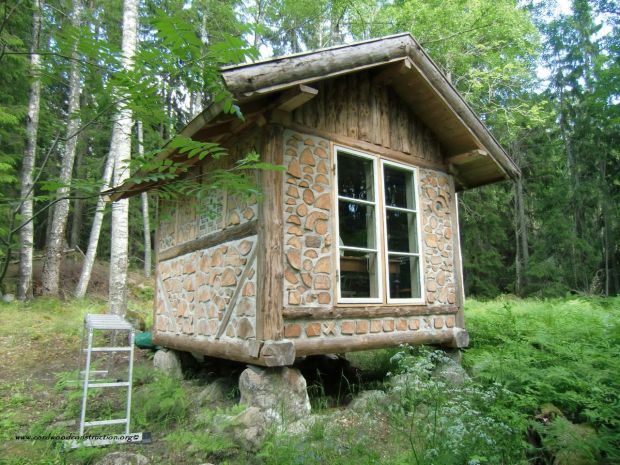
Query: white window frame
{"points": [[416, 211], [376, 204]]}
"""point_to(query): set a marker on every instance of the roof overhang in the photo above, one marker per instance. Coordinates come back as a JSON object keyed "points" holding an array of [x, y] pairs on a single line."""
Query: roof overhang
{"points": [[472, 153]]}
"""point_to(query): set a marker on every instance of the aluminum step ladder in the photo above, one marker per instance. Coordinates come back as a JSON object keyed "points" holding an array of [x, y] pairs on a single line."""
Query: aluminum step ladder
{"points": [[113, 324]]}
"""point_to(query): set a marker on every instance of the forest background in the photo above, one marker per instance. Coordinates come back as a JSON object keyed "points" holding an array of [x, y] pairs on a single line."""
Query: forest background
{"points": [[544, 76]]}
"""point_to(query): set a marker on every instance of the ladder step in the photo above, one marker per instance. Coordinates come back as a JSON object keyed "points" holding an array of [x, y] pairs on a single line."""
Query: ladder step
{"points": [[105, 385], [109, 349], [120, 421], [94, 321], [94, 372]]}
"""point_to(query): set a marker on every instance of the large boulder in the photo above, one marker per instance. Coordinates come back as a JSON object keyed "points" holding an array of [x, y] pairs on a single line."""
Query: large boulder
{"points": [[168, 362], [279, 392], [250, 427], [123, 458]]}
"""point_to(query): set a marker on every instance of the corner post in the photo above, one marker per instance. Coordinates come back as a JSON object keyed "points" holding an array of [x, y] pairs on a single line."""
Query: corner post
{"points": [[269, 266], [458, 260]]}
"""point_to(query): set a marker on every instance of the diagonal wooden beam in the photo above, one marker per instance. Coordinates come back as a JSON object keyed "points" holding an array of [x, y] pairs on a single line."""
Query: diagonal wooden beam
{"points": [[467, 157], [238, 289]]}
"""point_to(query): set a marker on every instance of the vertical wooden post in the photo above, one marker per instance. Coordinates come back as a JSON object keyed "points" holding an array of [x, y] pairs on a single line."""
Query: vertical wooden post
{"points": [[269, 267], [458, 260], [156, 261]]}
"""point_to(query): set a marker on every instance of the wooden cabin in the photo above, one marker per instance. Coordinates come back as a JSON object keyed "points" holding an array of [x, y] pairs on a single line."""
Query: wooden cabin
{"points": [[356, 244]]}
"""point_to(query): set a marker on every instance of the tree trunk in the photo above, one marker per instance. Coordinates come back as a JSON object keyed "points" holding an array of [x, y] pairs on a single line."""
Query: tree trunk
{"points": [[24, 288], [605, 226], [145, 210], [95, 231], [121, 148], [53, 255], [78, 205], [518, 269], [522, 228], [197, 98]]}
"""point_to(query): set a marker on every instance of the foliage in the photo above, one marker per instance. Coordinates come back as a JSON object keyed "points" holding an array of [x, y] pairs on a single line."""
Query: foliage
{"points": [[444, 421], [544, 389], [160, 403], [559, 356], [339, 445]]}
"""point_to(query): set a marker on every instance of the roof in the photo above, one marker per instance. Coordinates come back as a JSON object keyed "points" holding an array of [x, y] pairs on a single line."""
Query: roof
{"points": [[472, 153]]}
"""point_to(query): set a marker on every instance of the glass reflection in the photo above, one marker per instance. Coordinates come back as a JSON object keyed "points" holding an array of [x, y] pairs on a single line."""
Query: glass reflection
{"points": [[358, 274], [404, 276], [401, 231], [357, 224], [355, 178], [398, 188]]}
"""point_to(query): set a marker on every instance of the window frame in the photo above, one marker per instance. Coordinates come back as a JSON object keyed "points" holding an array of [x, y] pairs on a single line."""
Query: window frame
{"points": [[378, 229], [417, 212], [381, 231]]}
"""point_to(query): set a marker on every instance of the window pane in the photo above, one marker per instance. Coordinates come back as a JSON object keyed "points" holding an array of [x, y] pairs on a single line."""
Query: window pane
{"points": [[404, 277], [401, 231], [358, 274], [357, 224], [355, 177], [398, 187]]}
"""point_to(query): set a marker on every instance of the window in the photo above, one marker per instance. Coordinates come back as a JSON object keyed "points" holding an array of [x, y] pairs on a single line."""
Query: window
{"points": [[401, 233], [358, 228], [362, 208]]}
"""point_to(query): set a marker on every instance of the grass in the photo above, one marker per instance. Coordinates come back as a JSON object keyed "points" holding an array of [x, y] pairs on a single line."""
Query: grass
{"points": [[544, 390]]}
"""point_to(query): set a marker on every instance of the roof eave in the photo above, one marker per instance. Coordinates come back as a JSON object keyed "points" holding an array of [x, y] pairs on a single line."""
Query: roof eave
{"points": [[253, 80]]}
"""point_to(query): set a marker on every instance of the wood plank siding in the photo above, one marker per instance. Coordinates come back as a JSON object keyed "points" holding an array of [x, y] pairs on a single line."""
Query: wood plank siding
{"points": [[356, 107]]}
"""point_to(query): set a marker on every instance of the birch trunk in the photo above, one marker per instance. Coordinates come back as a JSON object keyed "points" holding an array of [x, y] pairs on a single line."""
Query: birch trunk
{"points": [[78, 204], [50, 278], [93, 241], [144, 198], [121, 144], [24, 288]]}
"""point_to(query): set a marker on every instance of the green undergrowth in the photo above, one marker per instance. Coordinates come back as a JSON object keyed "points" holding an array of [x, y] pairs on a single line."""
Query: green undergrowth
{"points": [[561, 360], [419, 418], [543, 390]]}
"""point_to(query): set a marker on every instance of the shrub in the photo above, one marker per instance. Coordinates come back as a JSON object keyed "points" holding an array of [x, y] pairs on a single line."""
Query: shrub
{"points": [[446, 422]]}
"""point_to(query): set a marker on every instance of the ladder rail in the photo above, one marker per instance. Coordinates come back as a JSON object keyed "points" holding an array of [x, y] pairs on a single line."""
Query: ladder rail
{"points": [[112, 323], [132, 336], [85, 388]]}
